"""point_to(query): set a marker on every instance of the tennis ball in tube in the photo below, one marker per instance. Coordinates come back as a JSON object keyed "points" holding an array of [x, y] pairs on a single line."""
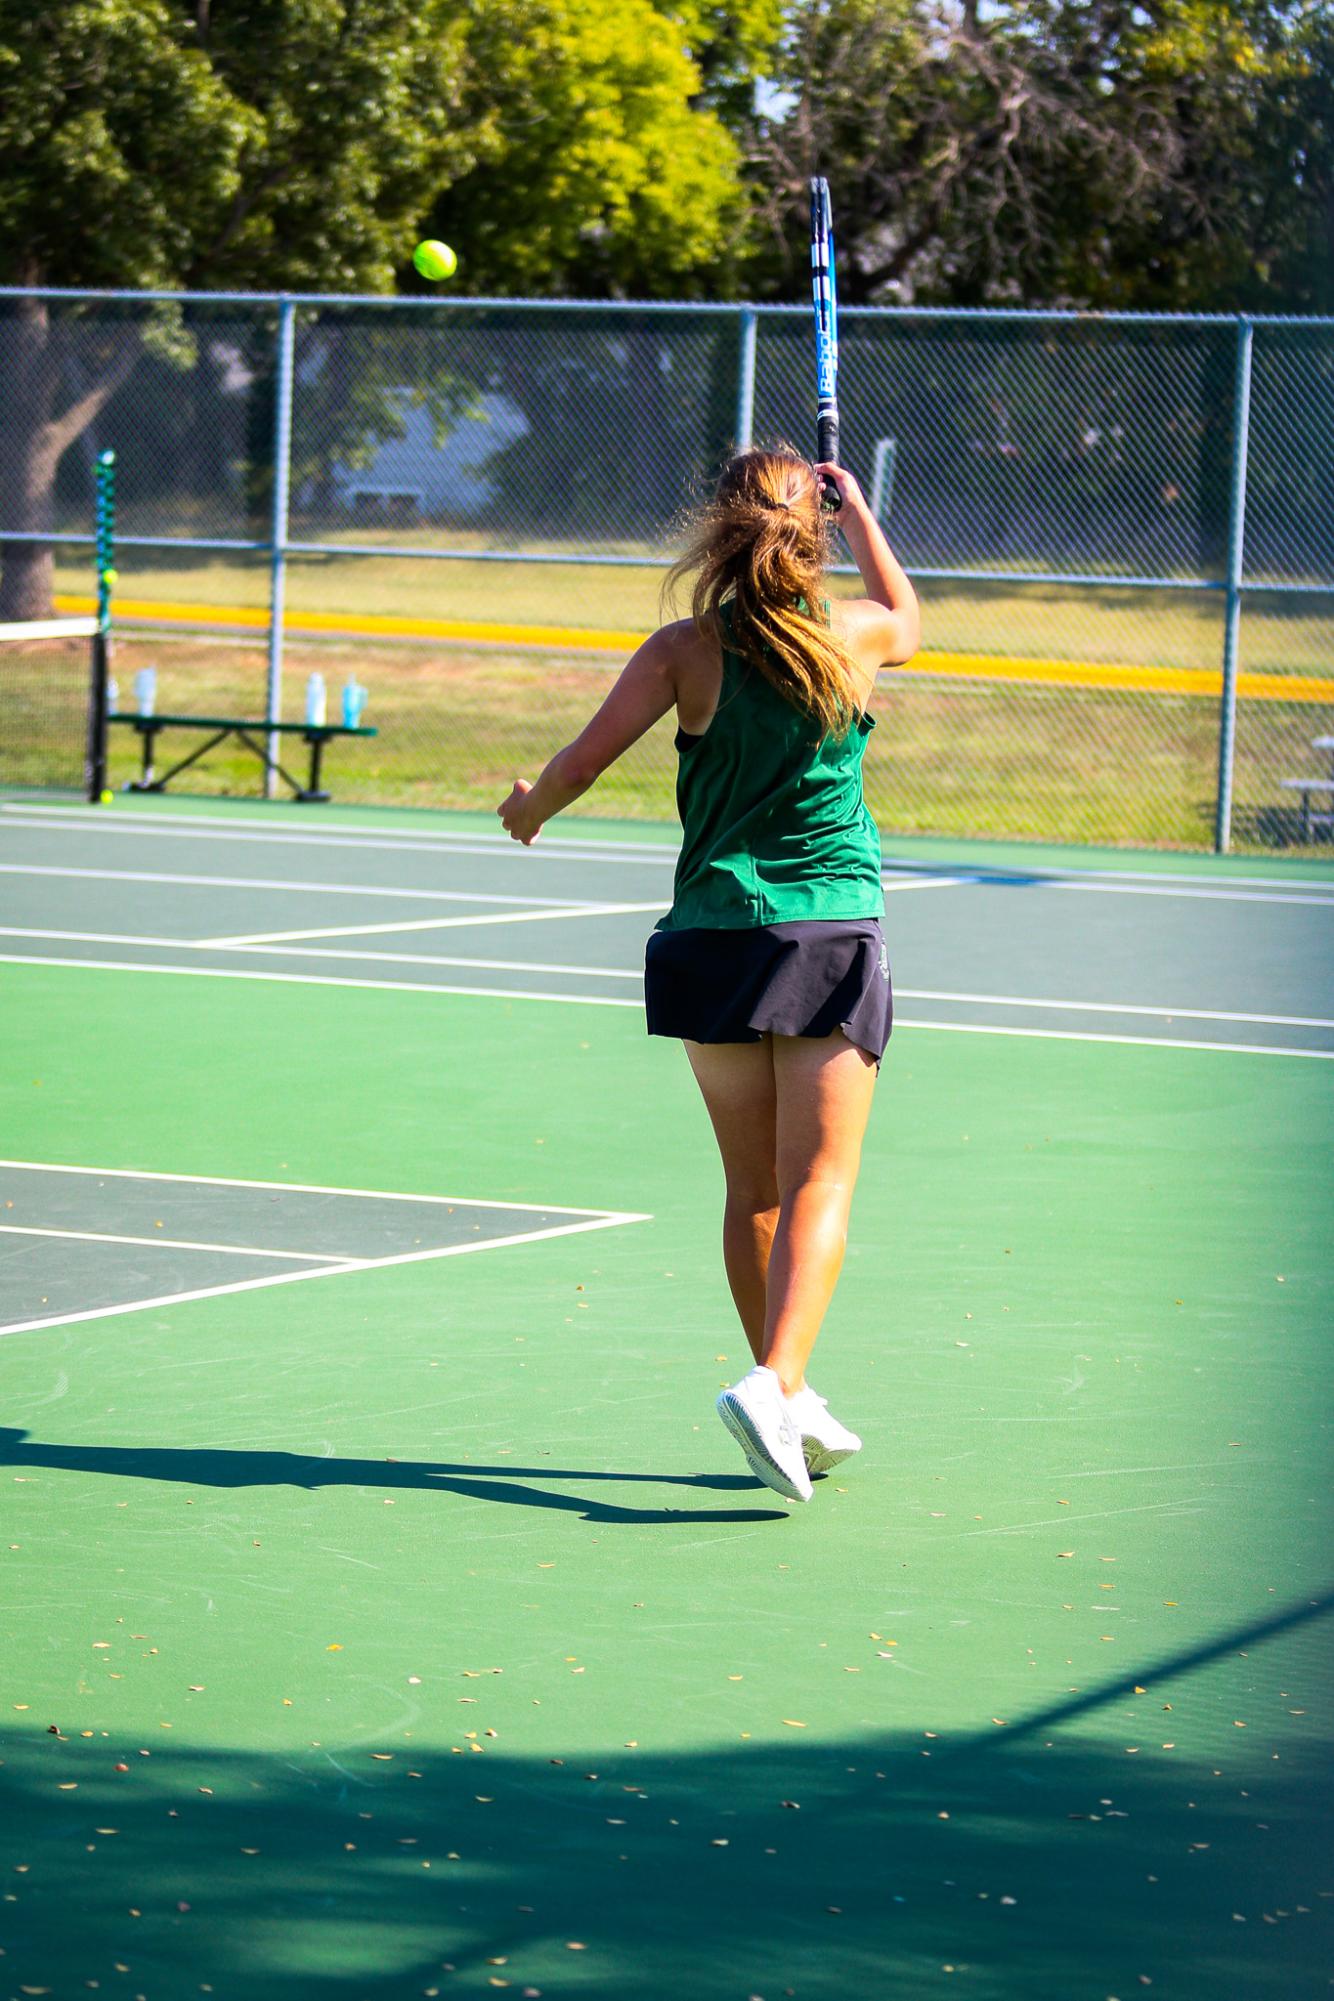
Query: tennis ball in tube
{"points": [[435, 260]]}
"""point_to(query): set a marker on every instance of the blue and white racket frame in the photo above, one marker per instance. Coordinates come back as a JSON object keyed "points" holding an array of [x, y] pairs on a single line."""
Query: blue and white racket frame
{"points": [[824, 289]]}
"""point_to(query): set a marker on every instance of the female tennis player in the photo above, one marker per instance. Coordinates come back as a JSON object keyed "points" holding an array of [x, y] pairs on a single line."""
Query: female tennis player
{"points": [[770, 965]]}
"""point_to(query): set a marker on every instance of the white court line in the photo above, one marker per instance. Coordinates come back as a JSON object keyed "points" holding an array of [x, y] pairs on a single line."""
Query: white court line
{"points": [[1136, 1041], [552, 847], [1116, 1007], [205, 827], [315, 1188], [1161, 1013], [896, 883], [610, 1000], [171, 1244], [321, 952], [432, 924], [1209, 895], [369, 889], [606, 1221]]}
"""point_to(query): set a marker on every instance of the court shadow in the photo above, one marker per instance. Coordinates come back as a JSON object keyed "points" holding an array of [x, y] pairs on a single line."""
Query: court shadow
{"points": [[510, 1486], [863, 1866]]}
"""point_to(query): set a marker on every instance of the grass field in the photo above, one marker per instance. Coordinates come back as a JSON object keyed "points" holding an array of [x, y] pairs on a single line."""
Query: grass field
{"points": [[958, 757], [1154, 628], [455, 727]]}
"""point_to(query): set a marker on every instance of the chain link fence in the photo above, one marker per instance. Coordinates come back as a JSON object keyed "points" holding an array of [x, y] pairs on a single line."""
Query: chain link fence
{"points": [[1121, 528]]}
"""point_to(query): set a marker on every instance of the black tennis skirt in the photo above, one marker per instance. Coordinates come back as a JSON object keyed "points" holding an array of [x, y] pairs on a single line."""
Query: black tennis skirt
{"points": [[804, 978]]}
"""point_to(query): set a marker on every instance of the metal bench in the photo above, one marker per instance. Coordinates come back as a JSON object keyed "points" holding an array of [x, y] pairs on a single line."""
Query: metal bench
{"points": [[1308, 786], [248, 730], [1314, 786]]}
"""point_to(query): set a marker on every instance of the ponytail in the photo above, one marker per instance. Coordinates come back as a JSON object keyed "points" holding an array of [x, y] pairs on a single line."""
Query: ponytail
{"points": [[761, 547]]}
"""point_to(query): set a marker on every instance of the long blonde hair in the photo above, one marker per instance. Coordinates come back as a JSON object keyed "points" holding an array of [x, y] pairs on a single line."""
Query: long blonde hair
{"points": [[761, 546]]}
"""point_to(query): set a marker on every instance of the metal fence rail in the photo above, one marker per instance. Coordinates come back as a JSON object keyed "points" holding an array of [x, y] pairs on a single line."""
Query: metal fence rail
{"points": [[1122, 529]]}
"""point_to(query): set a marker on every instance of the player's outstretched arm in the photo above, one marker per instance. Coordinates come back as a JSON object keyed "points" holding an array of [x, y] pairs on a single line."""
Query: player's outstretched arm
{"points": [[898, 634], [645, 690]]}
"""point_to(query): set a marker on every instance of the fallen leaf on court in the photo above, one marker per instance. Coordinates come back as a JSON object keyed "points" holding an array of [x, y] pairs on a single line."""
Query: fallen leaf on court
{"points": [[196, 1687], [336, 1648], [793, 1724], [1065, 1552]]}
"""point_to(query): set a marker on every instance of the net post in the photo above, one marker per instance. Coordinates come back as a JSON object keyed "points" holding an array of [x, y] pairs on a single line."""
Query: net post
{"points": [[745, 395], [95, 760], [282, 460], [1236, 547]]}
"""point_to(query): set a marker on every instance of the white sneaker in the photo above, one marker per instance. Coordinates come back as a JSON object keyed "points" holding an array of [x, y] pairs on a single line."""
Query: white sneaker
{"points": [[824, 1441], [758, 1416]]}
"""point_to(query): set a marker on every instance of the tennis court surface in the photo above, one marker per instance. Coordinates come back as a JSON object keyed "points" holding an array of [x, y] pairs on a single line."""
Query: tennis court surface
{"points": [[386, 1612]]}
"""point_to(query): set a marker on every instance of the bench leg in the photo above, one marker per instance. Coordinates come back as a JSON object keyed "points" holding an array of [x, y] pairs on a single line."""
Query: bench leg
{"points": [[312, 794], [146, 781]]}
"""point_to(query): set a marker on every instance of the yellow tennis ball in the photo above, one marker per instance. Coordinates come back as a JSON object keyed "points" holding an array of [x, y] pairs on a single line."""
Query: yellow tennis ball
{"points": [[435, 260], [110, 577], [106, 798]]}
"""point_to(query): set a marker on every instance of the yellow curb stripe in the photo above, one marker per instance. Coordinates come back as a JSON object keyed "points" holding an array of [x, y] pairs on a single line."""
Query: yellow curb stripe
{"points": [[374, 624], [1206, 681]]}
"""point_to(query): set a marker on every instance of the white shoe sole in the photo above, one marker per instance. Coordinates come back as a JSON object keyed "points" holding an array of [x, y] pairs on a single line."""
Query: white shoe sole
{"points": [[738, 1421], [821, 1459]]}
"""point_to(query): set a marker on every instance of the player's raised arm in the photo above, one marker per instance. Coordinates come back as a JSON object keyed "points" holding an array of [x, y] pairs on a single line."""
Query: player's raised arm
{"points": [[899, 633]]}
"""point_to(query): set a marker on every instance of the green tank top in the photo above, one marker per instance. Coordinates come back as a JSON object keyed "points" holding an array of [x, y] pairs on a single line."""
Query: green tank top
{"points": [[774, 824]]}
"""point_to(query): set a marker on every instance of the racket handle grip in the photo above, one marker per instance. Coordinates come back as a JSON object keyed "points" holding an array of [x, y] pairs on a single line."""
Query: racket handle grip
{"points": [[826, 434]]}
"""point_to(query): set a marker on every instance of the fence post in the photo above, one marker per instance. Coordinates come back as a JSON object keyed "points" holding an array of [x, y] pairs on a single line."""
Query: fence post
{"points": [[745, 395], [1236, 545], [282, 461]]}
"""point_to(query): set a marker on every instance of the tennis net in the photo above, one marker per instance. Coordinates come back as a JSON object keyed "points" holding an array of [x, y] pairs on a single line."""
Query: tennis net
{"points": [[45, 677]]}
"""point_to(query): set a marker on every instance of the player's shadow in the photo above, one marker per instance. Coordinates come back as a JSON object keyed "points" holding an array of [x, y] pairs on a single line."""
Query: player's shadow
{"points": [[208, 1466]]}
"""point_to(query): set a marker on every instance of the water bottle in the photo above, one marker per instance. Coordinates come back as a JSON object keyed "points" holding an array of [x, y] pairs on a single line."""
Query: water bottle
{"points": [[354, 701], [113, 697], [145, 690], [315, 701]]}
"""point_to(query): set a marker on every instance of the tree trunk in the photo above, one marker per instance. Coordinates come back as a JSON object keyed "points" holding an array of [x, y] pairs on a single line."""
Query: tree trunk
{"points": [[27, 470], [34, 436]]}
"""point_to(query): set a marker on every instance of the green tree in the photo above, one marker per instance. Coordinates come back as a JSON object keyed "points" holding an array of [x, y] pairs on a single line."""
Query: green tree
{"points": [[300, 144], [1175, 153], [601, 169], [143, 144]]}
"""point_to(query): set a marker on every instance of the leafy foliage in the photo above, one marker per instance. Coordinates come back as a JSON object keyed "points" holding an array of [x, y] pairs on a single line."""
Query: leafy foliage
{"points": [[600, 169], [1045, 152]]}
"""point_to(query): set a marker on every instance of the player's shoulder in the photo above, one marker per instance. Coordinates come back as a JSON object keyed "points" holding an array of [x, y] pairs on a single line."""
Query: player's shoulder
{"points": [[679, 646], [870, 631]]}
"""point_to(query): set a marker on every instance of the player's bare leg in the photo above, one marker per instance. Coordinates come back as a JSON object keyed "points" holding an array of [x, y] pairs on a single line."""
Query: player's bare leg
{"points": [[736, 1080], [824, 1090]]}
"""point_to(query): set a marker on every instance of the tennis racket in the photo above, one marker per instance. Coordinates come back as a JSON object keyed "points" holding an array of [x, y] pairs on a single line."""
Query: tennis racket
{"points": [[825, 291]]}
